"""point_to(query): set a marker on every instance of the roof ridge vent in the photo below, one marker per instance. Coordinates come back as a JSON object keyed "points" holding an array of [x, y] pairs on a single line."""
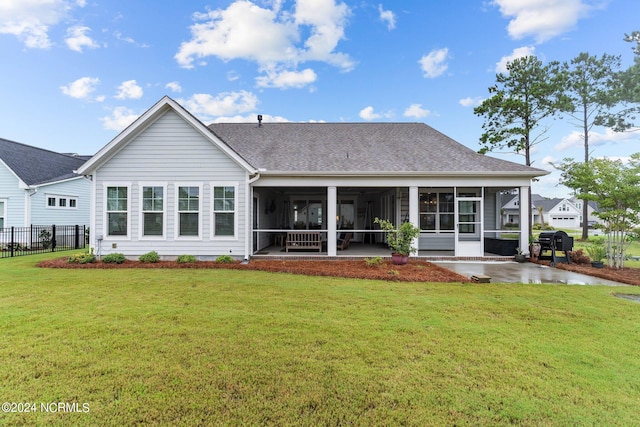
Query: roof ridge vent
{"points": [[259, 120]]}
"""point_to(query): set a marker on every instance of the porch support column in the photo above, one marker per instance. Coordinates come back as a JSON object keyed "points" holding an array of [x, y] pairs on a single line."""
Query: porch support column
{"points": [[332, 197], [414, 211], [525, 217]]}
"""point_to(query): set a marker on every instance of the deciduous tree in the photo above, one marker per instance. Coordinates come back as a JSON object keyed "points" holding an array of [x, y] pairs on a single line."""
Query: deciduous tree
{"points": [[615, 185]]}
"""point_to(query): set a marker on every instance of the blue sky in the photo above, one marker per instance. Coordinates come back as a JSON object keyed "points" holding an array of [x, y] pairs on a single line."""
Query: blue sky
{"points": [[76, 72]]}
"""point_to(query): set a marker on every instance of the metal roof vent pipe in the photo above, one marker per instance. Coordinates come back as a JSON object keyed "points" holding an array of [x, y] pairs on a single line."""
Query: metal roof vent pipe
{"points": [[259, 120]]}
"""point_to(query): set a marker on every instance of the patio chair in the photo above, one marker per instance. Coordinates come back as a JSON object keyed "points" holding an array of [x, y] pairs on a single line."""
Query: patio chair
{"points": [[343, 240]]}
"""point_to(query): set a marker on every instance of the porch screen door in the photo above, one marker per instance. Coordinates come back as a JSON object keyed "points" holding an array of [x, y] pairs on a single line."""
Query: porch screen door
{"points": [[469, 232]]}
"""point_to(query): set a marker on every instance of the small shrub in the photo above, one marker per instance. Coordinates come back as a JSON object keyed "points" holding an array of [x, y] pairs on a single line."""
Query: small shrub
{"points": [[373, 262], [114, 258], [45, 239], [225, 259], [394, 273], [597, 250], [149, 257], [81, 258], [579, 257], [186, 259]]}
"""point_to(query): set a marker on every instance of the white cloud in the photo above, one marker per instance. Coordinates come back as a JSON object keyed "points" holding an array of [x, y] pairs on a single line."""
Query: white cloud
{"points": [[387, 16], [520, 52], [31, 20], [120, 118], [224, 104], [287, 79], [174, 86], [434, 63], [77, 38], [82, 88], [541, 19], [273, 38], [129, 90], [416, 110], [368, 113], [575, 139], [471, 102], [548, 160]]}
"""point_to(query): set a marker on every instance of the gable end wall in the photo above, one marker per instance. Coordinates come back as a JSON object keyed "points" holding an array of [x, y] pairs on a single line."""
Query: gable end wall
{"points": [[169, 153]]}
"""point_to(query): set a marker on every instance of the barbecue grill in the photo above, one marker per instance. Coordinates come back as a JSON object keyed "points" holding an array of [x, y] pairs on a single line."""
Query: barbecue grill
{"points": [[553, 242]]}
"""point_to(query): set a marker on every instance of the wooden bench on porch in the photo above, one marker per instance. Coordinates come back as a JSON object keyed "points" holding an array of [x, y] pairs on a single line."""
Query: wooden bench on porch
{"points": [[304, 240]]}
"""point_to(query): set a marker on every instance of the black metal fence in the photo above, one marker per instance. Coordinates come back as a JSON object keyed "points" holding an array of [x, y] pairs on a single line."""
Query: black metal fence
{"points": [[38, 239]]}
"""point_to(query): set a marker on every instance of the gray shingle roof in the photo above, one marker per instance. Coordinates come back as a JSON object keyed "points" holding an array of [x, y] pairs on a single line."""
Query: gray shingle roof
{"points": [[357, 148], [38, 166]]}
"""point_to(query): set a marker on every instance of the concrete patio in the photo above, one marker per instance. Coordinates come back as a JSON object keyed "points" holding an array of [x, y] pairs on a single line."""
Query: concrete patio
{"points": [[528, 272]]}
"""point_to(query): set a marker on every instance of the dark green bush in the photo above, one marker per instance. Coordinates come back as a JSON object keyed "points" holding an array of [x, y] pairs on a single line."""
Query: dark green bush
{"points": [[149, 257], [186, 259], [114, 258]]}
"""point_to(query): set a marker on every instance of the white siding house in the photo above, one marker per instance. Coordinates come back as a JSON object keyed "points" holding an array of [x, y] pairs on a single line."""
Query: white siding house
{"points": [[168, 185], [171, 184], [39, 187]]}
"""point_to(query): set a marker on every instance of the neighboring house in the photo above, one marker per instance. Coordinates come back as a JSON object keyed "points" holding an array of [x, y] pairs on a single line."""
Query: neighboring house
{"points": [[592, 208], [171, 184], [560, 213], [39, 187], [556, 212], [510, 212]]}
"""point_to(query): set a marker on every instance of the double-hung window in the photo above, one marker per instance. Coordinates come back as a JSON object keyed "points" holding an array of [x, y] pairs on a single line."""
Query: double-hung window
{"points": [[224, 210], [152, 211], [117, 211], [188, 211]]}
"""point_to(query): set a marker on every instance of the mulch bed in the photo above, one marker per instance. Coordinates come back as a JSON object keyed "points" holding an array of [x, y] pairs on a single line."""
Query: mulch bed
{"points": [[414, 271], [630, 276]]}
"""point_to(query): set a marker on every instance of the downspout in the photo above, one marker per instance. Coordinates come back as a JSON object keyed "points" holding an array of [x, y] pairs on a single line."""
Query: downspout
{"points": [[92, 210], [248, 216], [27, 208]]}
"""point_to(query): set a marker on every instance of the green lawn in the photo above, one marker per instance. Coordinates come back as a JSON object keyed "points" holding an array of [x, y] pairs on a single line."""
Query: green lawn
{"points": [[217, 347]]}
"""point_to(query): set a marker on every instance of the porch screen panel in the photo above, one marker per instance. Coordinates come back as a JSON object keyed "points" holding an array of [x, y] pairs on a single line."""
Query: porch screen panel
{"points": [[188, 211], [117, 211]]}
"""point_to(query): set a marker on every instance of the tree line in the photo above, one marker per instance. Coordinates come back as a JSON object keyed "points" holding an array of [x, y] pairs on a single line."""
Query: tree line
{"points": [[591, 91]]}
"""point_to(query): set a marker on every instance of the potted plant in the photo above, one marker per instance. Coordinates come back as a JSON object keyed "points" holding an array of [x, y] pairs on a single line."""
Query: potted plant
{"points": [[597, 252], [520, 257], [399, 239]]}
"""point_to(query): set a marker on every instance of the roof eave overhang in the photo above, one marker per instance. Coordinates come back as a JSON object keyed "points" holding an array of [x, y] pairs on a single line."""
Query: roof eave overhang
{"points": [[519, 174]]}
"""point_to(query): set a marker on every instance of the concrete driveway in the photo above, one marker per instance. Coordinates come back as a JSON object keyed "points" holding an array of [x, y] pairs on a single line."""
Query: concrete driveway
{"points": [[527, 272]]}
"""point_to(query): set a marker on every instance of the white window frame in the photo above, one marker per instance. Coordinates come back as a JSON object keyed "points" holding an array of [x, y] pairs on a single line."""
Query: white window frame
{"points": [[105, 218], [57, 198], [235, 186], [438, 230], [177, 210], [3, 212], [141, 212]]}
